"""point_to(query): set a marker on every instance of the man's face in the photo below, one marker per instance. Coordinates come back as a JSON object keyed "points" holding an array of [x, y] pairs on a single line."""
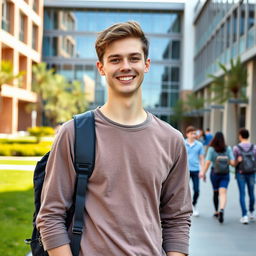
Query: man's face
{"points": [[191, 135], [124, 66]]}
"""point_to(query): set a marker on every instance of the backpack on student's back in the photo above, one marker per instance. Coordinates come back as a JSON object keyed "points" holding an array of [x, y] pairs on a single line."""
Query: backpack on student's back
{"points": [[84, 154], [221, 163], [248, 165]]}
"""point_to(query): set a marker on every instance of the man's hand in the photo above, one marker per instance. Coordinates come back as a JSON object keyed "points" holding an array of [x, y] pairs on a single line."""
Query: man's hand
{"points": [[175, 254], [63, 250], [239, 159], [202, 176]]}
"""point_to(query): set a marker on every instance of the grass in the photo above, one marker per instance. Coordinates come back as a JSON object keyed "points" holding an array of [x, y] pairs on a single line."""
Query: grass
{"points": [[18, 162], [16, 204]]}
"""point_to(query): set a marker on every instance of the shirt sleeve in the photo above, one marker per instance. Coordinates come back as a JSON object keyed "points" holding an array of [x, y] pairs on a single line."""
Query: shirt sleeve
{"points": [[58, 189], [235, 152], [209, 155], [176, 206], [201, 150], [230, 153]]}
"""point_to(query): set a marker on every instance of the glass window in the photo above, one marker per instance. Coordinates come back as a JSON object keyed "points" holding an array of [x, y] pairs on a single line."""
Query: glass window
{"points": [[67, 71], [6, 15], [34, 37], [35, 5], [234, 26], [47, 19], [55, 24], [151, 22], [22, 27], [251, 18], [79, 72], [228, 33], [158, 74], [175, 50], [84, 47], [54, 48], [46, 47], [175, 74], [159, 48], [242, 20]]}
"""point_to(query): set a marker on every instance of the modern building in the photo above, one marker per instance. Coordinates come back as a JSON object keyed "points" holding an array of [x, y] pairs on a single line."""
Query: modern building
{"points": [[223, 30], [163, 23], [20, 43]]}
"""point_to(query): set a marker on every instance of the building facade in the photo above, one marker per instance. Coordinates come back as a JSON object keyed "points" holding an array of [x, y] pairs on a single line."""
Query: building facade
{"points": [[20, 43], [225, 30], [70, 30]]}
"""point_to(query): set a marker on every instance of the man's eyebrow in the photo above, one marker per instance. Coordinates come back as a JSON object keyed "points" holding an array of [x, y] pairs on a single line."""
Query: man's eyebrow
{"points": [[119, 55]]}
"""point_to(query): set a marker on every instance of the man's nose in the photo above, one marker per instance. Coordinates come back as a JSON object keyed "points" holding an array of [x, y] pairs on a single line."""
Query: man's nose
{"points": [[125, 65]]}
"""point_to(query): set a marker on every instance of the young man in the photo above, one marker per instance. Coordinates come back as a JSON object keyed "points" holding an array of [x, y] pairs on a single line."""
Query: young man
{"points": [[245, 179], [208, 137], [195, 152], [138, 198]]}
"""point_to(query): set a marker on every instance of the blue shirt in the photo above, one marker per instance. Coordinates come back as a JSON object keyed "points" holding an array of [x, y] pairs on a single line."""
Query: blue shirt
{"points": [[208, 138], [194, 152]]}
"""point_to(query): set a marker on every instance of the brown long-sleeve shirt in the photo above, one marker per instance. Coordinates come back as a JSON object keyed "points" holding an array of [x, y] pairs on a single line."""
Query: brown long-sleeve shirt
{"points": [[138, 198]]}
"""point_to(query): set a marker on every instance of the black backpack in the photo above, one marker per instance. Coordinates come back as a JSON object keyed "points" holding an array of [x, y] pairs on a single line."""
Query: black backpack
{"points": [[248, 165], [221, 163], [84, 163]]}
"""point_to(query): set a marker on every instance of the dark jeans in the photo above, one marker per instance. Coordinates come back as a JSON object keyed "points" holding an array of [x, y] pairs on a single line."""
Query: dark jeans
{"points": [[244, 180], [195, 180]]}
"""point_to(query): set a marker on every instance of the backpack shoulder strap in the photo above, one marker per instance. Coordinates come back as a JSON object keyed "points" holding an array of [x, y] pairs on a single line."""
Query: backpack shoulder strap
{"points": [[240, 148], [251, 147], [84, 163]]}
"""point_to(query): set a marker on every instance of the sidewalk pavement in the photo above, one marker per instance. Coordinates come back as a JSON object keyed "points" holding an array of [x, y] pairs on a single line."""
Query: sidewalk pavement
{"points": [[19, 167], [209, 237]]}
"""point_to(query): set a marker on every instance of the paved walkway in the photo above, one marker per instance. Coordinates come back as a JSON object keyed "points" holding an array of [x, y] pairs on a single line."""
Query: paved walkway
{"points": [[210, 238], [19, 167]]}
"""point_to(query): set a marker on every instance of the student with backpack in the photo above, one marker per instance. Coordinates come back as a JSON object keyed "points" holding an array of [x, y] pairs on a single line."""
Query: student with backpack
{"points": [[220, 156], [245, 156], [138, 199], [195, 153]]}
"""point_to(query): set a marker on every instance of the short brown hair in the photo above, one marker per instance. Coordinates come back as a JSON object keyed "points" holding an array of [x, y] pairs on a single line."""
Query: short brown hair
{"points": [[120, 31], [190, 129]]}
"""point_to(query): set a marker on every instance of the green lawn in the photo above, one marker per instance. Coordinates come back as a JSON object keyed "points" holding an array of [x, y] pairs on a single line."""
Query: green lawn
{"points": [[16, 204], [18, 162]]}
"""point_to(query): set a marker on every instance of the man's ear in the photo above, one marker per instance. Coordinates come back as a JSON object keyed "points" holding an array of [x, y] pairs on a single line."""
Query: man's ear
{"points": [[100, 68], [147, 65]]}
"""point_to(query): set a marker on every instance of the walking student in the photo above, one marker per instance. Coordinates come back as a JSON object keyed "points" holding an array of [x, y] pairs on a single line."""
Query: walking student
{"points": [[220, 156], [138, 198], [245, 156], [195, 152]]}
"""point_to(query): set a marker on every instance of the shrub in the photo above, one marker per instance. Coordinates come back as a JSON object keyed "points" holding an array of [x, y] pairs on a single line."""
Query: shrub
{"points": [[25, 150], [41, 131]]}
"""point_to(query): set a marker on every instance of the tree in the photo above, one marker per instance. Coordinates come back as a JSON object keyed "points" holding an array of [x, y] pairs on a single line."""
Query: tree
{"points": [[232, 84], [7, 76], [6, 73], [59, 99], [185, 108]]}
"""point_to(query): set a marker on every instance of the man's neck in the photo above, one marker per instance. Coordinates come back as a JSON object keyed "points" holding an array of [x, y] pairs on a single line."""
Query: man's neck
{"points": [[124, 110], [190, 141], [244, 140]]}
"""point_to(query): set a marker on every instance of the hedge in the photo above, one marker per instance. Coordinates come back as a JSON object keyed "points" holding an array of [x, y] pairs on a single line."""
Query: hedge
{"points": [[25, 150]]}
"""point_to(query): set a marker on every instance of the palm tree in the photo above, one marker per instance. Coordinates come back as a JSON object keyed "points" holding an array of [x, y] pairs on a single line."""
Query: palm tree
{"points": [[231, 86], [188, 107], [6, 75], [59, 99]]}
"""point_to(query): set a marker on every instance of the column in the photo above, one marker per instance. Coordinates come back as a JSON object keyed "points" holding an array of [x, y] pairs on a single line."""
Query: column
{"points": [[229, 124], [207, 114], [215, 120], [251, 95]]}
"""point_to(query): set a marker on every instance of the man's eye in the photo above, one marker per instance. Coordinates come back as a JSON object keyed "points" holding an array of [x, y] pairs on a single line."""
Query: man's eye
{"points": [[135, 59], [114, 60]]}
